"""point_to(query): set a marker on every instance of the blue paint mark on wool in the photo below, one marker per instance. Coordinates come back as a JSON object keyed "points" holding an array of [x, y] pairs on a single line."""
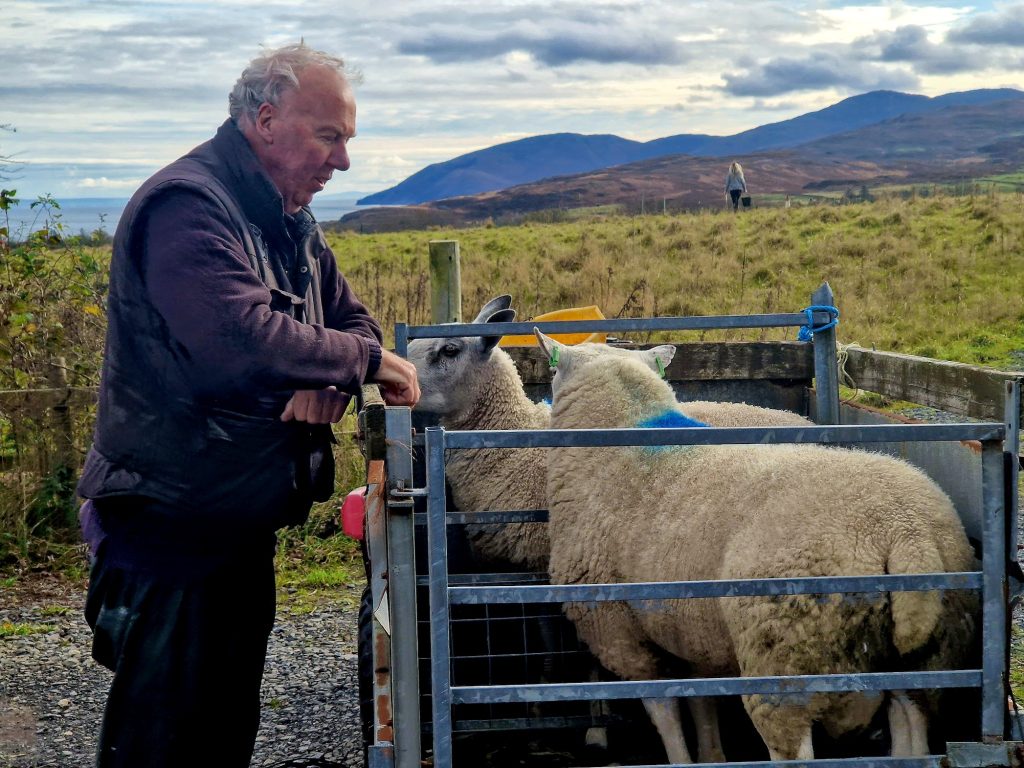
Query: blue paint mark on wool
{"points": [[670, 420]]}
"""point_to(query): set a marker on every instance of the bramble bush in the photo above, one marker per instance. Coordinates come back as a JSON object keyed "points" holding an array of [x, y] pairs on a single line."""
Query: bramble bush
{"points": [[52, 321]]}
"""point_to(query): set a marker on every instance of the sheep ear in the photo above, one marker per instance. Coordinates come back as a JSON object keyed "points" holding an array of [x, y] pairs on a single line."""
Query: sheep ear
{"points": [[552, 349], [497, 303], [501, 316], [658, 358]]}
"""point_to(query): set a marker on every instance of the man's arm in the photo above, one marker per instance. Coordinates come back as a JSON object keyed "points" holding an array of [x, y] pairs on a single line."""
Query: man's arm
{"points": [[217, 310]]}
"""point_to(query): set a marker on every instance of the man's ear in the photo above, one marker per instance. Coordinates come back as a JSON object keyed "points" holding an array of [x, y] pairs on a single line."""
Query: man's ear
{"points": [[262, 125]]}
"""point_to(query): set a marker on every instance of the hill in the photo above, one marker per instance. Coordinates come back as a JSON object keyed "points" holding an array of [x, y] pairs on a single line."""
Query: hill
{"points": [[537, 157], [950, 144]]}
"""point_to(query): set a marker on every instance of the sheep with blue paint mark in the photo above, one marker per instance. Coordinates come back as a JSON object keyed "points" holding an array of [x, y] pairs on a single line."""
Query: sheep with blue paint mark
{"points": [[473, 384], [752, 511]]}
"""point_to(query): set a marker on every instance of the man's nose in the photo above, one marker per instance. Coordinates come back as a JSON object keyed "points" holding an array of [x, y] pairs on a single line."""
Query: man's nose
{"points": [[339, 158]]}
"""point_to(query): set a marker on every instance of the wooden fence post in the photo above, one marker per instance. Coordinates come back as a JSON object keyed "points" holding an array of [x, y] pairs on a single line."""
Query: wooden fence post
{"points": [[65, 461], [64, 435], [445, 282]]}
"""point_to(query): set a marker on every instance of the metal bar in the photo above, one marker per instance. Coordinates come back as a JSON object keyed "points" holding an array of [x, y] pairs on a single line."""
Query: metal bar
{"points": [[994, 594], [809, 585], [1011, 445], [928, 761], [510, 516], [440, 645], [377, 547], [402, 591], [401, 339], [526, 724], [826, 371], [461, 579], [971, 754], [694, 323], [380, 756], [827, 435], [716, 686]]}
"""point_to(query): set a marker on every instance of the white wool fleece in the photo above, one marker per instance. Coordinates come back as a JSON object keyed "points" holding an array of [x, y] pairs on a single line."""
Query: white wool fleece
{"points": [[758, 511]]}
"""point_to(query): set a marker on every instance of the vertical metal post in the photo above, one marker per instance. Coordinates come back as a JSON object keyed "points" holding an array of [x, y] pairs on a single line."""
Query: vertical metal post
{"points": [[440, 645], [402, 591], [376, 545], [401, 339], [445, 282], [994, 593], [1011, 445], [826, 372]]}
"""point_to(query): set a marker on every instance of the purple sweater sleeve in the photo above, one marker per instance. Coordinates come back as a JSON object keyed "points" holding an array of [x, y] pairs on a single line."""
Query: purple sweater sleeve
{"points": [[217, 309], [344, 312]]}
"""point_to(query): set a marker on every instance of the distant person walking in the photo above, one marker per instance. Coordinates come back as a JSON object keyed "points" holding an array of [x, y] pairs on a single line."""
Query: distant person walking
{"points": [[735, 185]]}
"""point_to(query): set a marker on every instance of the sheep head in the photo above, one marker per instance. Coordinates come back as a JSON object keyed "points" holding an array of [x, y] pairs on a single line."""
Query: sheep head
{"points": [[637, 375], [450, 370]]}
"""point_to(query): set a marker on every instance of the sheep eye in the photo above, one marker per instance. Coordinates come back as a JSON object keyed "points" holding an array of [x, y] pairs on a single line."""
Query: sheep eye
{"points": [[450, 350]]}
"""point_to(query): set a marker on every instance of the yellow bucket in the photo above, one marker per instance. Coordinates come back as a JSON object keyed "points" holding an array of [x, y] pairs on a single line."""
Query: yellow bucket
{"points": [[575, 313]]}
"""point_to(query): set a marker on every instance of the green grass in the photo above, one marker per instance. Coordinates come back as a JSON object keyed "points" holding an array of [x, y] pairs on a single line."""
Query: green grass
{"points": [[1017, 663], [916, 271], [22, 629], [938, 276]]}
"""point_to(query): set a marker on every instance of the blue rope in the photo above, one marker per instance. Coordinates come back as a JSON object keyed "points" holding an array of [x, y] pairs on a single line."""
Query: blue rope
{"points": [[807, 331]]}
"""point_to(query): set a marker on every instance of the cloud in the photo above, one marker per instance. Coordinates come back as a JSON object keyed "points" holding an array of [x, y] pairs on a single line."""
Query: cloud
{"points": [[1002, 28], [112, 184], [555, 45], [826, 70], [911, 45]]}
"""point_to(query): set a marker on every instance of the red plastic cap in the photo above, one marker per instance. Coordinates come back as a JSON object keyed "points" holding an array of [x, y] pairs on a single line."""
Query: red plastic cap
{"points": [[353, 513]]}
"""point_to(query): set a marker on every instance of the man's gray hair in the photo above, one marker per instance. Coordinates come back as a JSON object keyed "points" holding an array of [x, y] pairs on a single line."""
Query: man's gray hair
{"points": [[269, 76]]}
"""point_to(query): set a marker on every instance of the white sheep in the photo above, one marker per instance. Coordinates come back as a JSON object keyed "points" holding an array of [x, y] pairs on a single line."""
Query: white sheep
{"points": [[473, 384], [753, 511]]}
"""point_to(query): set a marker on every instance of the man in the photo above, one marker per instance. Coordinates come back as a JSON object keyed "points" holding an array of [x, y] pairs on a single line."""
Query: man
{"points": [[233, 343]]}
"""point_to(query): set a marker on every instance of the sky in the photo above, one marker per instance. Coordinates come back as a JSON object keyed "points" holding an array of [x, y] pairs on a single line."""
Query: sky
{"points": [[102, 93]]}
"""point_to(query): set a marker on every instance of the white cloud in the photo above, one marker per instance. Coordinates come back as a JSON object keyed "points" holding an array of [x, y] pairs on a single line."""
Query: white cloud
{"points": [[109, 185], [115, 89]]}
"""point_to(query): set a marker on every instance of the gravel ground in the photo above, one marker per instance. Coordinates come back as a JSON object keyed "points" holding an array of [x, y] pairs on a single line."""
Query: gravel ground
{"points": [[52, 692]]}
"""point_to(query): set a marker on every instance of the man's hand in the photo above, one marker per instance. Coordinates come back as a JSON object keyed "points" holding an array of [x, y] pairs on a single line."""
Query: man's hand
{"points": [[397, 379], [316, 406]]}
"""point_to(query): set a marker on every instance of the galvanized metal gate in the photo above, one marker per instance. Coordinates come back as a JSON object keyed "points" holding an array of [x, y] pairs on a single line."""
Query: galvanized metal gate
{"points": [[392, 539]]}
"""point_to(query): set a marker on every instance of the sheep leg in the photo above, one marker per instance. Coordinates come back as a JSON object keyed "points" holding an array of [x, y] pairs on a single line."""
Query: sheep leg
{"points": [[908, 726], [704, 711], [665, 715], [899, 728]]}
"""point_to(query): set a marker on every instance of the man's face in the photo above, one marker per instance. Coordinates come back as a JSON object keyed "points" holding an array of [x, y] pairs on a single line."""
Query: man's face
{"points": [[302, 140]]}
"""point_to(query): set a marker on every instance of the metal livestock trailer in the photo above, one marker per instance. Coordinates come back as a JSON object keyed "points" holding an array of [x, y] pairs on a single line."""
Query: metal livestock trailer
{"points": [[454, 661]]}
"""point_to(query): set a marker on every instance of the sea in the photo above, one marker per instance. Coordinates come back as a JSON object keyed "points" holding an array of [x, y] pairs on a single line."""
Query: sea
{"points": [[85, 215]]}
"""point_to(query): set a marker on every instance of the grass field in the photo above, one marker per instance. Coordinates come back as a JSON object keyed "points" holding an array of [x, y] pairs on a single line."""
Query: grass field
{"points": [[939, 276]]}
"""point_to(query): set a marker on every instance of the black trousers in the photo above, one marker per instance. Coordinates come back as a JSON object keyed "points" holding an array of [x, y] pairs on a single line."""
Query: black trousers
{"points": [[187, 652], [735, 195]]}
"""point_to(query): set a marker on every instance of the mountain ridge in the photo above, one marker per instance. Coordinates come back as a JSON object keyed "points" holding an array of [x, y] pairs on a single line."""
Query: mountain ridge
{"points": [[954, 144], [549, 155]]}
